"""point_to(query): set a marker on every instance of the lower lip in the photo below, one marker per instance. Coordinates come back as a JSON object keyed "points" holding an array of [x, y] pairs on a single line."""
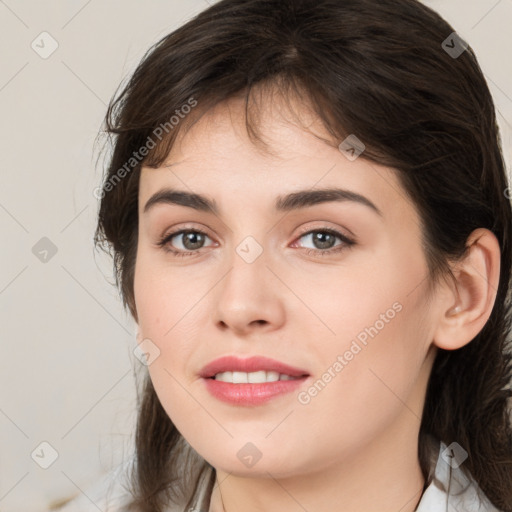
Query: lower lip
{"points": [[251, 394]]}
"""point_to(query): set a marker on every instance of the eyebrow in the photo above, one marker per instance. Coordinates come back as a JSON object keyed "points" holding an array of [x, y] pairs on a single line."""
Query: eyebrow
{"points": [[293, 201]]}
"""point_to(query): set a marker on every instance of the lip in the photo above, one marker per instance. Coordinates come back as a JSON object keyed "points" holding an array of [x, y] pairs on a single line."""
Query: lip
{"points": [[250, 394]]}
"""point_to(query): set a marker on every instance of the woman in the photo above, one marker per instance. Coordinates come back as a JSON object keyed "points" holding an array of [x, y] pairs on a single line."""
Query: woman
{"points": [[309, 214]]}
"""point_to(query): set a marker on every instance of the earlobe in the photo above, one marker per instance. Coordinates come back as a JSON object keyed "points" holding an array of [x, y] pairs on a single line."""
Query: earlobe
{"points": [[465, 310]]}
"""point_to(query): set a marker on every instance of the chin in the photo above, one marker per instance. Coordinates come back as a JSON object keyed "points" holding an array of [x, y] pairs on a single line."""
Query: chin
{"points": [[247, 460]]}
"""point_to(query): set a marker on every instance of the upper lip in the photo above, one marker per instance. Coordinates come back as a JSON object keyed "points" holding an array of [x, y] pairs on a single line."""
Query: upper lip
{"points": [[248, 365]]}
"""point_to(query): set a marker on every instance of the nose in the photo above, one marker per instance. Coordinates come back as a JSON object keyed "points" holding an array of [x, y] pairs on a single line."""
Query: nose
{"points": [[249, 297]]}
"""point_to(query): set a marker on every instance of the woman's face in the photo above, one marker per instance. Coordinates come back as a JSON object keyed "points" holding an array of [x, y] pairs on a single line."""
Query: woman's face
{"points": [[334, 286]]}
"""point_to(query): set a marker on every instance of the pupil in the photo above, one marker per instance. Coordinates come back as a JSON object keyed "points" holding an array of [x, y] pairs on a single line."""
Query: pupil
{"points": [[321, 237], [192, 238]]}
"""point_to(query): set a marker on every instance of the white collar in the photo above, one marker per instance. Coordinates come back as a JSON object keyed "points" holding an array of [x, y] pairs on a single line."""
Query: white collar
{"points": [[451, 490]]}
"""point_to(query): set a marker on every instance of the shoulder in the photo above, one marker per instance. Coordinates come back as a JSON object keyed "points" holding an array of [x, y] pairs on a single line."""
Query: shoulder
{"points": [[451, 489], [109, 494], [112, 493]]}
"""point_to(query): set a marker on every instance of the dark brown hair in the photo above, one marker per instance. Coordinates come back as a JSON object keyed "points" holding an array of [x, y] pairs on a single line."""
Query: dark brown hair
{"points": [[374, 68]]}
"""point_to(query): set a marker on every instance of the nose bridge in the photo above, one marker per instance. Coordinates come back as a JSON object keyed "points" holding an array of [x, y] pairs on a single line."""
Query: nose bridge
{"points": [[248, 294], [248, 264], [250, 249], [249, 245]]}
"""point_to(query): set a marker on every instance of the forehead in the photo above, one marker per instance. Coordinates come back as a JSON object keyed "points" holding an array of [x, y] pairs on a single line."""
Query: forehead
{"points": [[283, 125], [216, 157]]}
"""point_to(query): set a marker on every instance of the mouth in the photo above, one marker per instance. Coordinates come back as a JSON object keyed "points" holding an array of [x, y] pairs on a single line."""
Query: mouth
{"points": [[250, 381], [250, 370], [258, 377]]}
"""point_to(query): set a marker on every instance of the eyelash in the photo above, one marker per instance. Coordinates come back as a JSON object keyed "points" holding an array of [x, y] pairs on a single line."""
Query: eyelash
{"points": [[347, 242]]}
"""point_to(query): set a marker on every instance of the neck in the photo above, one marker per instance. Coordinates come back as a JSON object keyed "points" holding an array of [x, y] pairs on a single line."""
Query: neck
{"points": [[384, 475]]}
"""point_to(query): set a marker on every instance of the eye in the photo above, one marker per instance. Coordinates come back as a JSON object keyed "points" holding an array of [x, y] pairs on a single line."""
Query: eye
{"points": [[190, 240], [324, 241]]}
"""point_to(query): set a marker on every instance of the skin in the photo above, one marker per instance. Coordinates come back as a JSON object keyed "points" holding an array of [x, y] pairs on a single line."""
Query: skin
{"points": [[355, 442]]}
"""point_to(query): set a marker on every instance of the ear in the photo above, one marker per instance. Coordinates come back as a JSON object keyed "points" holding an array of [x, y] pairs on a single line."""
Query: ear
{"points": [[467, 305]]}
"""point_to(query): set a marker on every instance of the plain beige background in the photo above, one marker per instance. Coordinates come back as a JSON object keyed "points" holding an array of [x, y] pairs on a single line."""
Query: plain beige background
{"points": [[67, 366]]}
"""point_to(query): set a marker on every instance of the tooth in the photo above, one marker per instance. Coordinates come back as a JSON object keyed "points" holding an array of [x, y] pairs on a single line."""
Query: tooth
{"points": [[224, 376], [272, 376], [257, 377], [239, 378]]}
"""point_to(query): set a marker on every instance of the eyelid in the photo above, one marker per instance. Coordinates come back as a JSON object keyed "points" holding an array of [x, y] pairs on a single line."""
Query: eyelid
{"points": [[335, 230], [173, 231], [347, 240]]}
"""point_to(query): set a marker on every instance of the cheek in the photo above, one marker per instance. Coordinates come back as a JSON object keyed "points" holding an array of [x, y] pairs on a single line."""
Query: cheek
{"points": [[162, 297], [362, 388], [168, 305], [371, 360], [369, 301], [166, 317]]}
